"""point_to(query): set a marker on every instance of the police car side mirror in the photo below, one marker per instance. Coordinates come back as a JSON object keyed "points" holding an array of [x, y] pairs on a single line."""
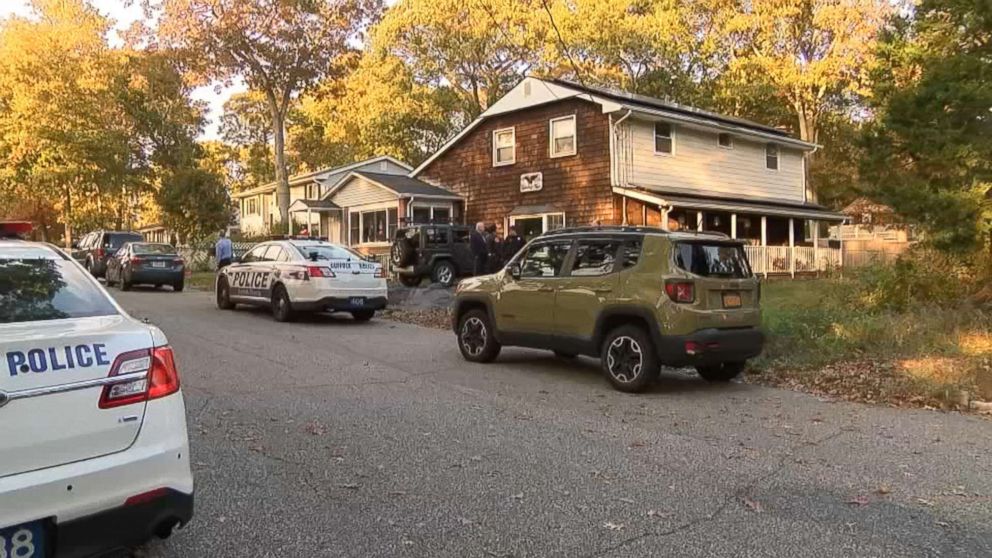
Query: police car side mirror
{"points": [[514, 270]]}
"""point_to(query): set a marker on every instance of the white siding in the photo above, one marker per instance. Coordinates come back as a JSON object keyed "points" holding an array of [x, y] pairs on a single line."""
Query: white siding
{"points": [[359, 191], [700, 166]]}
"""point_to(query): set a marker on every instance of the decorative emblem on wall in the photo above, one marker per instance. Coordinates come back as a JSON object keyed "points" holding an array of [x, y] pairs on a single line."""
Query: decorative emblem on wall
{"points": [[531, 182]]}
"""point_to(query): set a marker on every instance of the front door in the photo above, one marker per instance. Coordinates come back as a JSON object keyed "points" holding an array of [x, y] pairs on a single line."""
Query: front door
{"points": [[527, 303], [529, 227]]}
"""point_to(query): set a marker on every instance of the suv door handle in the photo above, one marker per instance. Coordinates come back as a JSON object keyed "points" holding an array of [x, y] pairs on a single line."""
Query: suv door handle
{"points": [[603, 290], [546, 289]]}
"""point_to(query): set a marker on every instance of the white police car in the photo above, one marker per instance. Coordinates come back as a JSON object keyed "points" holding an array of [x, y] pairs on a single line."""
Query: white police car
{"points": [[94, 453], [304, 275]]}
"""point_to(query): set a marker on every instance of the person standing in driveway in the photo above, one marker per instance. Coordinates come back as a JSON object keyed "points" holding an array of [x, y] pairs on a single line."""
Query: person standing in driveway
{"points": [[479, 247], [223, 251], [512, 244]]}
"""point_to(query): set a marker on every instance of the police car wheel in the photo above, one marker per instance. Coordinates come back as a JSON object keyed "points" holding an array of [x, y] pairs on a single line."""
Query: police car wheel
{"points": [[282, 309], [362, 315], [224, 295]]}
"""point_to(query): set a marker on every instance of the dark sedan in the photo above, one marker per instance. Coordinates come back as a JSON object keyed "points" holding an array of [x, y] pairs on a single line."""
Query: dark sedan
{"points": [[146, 263]]}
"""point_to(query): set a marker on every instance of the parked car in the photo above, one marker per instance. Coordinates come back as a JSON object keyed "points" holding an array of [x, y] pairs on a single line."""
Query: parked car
{"points": [[303, 275], [95, 248], [636, 298], [145, 263], [95, 453], [440, 252]]}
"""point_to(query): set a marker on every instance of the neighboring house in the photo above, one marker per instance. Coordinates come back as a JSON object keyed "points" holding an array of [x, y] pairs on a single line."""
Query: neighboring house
{"points": [[365, 208], [874, 233], [259, 210], [552, 153], [156, 232]]}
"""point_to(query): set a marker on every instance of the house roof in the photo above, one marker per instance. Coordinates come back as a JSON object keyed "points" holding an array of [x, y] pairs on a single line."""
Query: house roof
{"points": [[313, 205], [615, 101], [401, 185], [317, 175], [628, 98], [865, 205]]}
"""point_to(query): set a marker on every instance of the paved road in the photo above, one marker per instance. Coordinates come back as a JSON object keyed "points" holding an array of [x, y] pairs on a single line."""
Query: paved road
{"points": [[332, 438]]}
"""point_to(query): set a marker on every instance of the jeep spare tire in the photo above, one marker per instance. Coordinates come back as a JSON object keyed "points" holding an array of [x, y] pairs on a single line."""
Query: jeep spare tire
{"points": [[402, 252]]}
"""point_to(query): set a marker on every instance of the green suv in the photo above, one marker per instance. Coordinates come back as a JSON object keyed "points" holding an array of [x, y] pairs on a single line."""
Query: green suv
{"points": [[635, 297]]}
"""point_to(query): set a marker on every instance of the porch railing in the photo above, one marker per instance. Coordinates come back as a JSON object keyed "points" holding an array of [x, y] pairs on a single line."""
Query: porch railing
{"points": [[785, 260]]}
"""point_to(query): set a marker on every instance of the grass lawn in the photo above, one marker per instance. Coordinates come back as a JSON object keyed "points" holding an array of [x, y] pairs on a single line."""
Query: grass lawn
{"points": [[822, 341], [202, 280]]}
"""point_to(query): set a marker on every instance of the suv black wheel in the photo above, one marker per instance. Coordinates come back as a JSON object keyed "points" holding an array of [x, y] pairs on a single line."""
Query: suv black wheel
{"points": [[475, 337], [224, 295], [362, 315], [282, 309], [444, 273], [410, 280], [628, 359], [723, 372], [401, 252]]}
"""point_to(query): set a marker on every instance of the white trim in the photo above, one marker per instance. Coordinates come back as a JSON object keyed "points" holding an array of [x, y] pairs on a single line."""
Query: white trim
{"points": [[728, 205], [551, 136], [671, 136], [371, 208], [315, 176], [720, 145], [513, 147], [512, 219]]}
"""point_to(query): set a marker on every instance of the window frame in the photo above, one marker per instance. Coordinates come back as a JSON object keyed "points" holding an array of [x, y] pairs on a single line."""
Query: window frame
{"points": [[565, 262], [551, 136], [670, 137], [777, 156], [577, 245], [356, 214], [513, 146], [727, 135], [512, 219]]}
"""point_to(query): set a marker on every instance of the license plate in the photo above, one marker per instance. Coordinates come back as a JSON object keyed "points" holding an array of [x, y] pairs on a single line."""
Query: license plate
{"points": [[357, 301], [158, 264], [23, 541], [731, 300]]}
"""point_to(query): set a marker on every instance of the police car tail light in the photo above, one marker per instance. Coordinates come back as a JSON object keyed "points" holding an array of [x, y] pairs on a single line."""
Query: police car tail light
{"points": [[380, 272], [145, 375], [317, 271]]}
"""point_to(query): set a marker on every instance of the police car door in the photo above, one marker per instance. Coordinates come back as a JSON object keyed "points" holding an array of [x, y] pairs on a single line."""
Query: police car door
{"points": [[61, 340], [250, 280]]}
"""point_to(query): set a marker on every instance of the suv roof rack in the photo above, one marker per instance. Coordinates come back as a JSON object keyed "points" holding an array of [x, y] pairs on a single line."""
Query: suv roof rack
{"points": [[631, 229]]}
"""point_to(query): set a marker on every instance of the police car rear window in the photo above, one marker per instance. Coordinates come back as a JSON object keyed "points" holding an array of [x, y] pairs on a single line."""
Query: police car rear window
{"points": [[327, 252], [34, 289]]}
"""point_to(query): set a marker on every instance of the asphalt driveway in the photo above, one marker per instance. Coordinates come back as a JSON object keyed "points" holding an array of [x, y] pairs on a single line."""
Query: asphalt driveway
{"points": [[333, 438]]}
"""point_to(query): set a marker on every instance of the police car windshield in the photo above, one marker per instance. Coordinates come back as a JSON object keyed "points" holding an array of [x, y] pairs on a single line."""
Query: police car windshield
{"points": [[327, 252], [40, 288]]}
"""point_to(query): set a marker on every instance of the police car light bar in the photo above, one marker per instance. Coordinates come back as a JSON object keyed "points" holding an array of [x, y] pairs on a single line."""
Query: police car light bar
{"points": [[14, 229], [297, 237]]}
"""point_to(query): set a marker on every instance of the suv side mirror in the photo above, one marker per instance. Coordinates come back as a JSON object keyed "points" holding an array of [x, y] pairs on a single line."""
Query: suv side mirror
{"points": [[514, 270]]}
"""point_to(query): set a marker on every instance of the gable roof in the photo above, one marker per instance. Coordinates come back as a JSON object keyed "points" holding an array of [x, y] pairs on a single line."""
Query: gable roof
{"points": [[401, 185], [318, 175], [532, 91]]}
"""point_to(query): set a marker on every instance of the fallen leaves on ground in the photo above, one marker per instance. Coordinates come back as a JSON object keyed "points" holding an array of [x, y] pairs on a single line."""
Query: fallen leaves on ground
{"points": [[613, 526], [436, 318], [752, 504], [860, 500]]}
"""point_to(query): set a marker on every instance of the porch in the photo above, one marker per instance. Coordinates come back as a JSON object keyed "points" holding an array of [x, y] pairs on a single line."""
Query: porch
{"points": [[780, 239]]}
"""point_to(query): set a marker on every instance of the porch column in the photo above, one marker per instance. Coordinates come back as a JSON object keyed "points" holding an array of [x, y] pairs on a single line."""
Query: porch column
{"points": [[664, 216], [764, 244], [816, 243], [792, 247], [624, 220], [700, 218], [309, 223], [733, 225], [289, 215]]}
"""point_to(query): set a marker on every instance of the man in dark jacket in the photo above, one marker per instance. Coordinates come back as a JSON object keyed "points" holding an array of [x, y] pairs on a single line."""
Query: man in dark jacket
{"points": [[512, 244], [480, 250]]}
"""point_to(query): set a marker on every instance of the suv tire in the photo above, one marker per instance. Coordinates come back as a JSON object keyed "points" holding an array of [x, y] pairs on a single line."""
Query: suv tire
{"points": [[629, 360], [723, 372], [282, 308], [444, 273], [410, 280], [178, 286], [402, 252], [475, 337], [224, 295]]}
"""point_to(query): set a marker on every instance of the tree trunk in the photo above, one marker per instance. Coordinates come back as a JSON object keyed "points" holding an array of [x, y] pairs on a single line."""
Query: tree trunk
{"points": [[808, 132], [279, 142], [67, 218]]}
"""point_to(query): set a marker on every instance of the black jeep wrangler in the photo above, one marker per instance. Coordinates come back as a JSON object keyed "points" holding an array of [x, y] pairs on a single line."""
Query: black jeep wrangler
{"points": [[438, 251]]}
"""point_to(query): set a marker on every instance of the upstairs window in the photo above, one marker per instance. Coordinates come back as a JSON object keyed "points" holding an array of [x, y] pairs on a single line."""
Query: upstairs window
{"points": [[504, 147], [771, 156], [725, 141], [664, 138], [563, 136]]}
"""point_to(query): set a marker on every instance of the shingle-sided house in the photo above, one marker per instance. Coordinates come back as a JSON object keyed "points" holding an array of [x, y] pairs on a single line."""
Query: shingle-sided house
{"points": [[553, 153]]}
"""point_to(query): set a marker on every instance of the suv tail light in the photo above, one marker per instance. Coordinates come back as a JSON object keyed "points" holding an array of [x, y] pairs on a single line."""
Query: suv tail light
{"points": [[136, 259], [160, 379], [683, 292], [317, 271]]}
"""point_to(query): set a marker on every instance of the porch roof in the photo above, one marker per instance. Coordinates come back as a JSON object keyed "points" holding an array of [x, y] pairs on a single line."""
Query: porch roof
{"points": [[777, 209], [313, 205]]}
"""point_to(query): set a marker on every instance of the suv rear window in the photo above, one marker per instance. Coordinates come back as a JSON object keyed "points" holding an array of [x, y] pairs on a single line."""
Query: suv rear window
{"points": [[115, 240], [47, 289], [712, 260]]}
